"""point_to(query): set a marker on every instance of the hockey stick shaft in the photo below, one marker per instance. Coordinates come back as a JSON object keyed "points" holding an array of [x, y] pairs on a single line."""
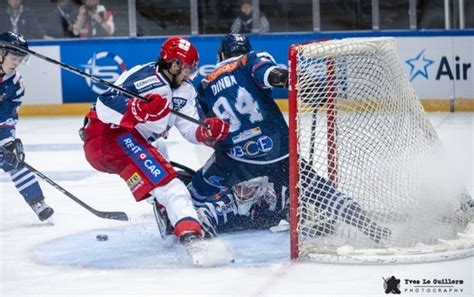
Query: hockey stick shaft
{"points": [[97, 79], [112, 215], [182, 167]]}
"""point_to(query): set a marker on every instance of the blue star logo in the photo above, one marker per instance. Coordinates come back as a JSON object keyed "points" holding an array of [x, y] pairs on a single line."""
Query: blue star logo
{"points": [[419, 65]]}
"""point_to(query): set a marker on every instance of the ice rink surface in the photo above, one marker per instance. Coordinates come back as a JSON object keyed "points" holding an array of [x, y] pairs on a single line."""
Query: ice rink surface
{"points": [[65, 259]]}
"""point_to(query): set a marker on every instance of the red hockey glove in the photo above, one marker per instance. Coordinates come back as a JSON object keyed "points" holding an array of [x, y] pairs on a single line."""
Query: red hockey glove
{"points": [[139, 111], [216, 130]]}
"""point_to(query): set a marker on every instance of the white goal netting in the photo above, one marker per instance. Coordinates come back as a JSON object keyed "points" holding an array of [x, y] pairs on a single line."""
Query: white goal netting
{"points": [[374, 180]]}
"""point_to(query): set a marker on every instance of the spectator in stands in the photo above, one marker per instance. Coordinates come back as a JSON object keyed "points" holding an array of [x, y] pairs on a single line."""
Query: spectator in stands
{"points": [[63, 14], [93, 20], [20, 19], [151, 18], [244, 22], [430, 14]]}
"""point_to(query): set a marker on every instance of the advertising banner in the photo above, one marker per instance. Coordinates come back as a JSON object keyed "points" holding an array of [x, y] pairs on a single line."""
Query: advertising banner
{"points": [[439, 67]]}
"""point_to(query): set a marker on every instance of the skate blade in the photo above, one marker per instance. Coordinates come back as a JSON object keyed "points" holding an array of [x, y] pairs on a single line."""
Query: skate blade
{"points": [[49, 222]]}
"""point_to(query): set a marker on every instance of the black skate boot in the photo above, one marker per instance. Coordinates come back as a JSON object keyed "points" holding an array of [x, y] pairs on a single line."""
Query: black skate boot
{"points": [[189, 238], [42, 210]]}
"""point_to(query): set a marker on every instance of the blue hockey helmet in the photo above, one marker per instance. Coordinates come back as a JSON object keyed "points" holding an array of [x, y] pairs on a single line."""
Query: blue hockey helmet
{"points": [[15, 39], [233, 45]]}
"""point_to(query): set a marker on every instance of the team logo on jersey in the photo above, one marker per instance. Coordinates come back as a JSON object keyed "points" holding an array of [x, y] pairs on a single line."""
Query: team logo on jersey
{"points": [[105, 65], [253, 148], [179, 102]]}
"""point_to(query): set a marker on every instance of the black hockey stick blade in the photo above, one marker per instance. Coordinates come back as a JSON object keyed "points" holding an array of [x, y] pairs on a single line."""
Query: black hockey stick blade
{"points": [[97, 79], [112, 215]]}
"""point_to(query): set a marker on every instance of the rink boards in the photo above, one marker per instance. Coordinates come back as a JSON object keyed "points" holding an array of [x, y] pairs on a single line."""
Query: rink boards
{"points": [[439, 65]]}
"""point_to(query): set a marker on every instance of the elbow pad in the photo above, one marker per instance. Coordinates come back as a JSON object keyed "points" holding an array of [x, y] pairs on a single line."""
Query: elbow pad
{"points": [[278, 77]]}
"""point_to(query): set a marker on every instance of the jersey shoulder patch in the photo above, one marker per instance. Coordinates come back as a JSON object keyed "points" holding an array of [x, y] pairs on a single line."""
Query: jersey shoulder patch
{"points": [[185, 92], [179, 102]]}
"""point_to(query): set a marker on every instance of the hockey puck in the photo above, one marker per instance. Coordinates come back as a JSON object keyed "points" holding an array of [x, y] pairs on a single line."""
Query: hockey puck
{"points": [[102, 237]]}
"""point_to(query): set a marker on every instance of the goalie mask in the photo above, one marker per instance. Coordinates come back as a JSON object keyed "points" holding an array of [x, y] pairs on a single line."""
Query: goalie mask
{"points": [[233, 45], [251, 192], [14, 39]]}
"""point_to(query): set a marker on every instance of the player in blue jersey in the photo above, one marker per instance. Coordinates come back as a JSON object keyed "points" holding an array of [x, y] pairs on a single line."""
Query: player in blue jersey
{"points": [[119, 131], [245, 182], [239, 91], [12, 154]]}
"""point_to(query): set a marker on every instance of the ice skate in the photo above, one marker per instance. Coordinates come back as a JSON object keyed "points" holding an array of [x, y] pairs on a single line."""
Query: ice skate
{"points": [[42, 210]]}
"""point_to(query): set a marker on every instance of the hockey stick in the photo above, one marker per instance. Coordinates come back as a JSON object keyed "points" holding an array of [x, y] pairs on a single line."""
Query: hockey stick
{"points": [[182, 167], [312, 138], [97, 79], [111, 215]]}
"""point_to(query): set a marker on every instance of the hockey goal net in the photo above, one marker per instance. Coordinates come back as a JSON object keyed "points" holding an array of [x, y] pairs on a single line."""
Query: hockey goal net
{"points": [[368, 179]]}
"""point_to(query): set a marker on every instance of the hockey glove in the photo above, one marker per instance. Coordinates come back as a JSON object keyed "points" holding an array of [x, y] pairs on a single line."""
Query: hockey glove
{"points": [[217, 130], [13, 154], [278, 77], [139, 111]]}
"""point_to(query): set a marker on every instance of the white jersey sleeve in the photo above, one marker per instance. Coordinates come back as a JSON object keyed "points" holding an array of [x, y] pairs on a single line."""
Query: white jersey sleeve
{"points": [[184, 101], [142, 80]]}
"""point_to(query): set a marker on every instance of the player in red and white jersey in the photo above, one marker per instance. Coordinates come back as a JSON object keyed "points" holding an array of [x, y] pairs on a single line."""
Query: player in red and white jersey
{"points": [[119, 131]]}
